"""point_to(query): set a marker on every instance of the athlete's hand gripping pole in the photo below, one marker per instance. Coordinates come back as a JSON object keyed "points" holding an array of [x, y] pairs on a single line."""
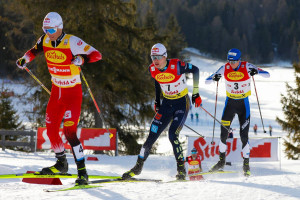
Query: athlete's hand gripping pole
{"points": [[258, 105], [94, 100], [37, 80]]}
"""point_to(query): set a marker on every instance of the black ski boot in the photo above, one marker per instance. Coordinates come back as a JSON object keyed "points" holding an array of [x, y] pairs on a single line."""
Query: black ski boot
{"points": [[60, 167], [136, 170], [246, 167], [220, 164], [181, 170], [83, 178]]}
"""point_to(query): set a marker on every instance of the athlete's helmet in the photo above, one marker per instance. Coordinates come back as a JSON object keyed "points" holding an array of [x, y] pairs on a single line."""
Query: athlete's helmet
{"points": [[159, 50], [234, 54], [194, 151], [53, 19]]}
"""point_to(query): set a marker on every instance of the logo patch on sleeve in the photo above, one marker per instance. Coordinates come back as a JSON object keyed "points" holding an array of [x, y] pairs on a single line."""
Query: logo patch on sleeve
{"points": [[154, 128]]}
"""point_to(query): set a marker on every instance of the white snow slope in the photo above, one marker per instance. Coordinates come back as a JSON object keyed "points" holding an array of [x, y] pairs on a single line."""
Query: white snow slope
{"points": [[269, 180]]}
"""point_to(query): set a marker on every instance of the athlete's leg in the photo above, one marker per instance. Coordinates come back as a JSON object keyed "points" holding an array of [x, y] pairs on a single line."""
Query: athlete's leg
{"points": [[54, 115], [179, 118], [244, 119], [158, 125], [227, 117], [181, 109]]}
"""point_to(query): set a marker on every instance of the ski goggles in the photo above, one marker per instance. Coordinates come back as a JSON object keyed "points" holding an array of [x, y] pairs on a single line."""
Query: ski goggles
{"points": [[158, 57], [50, 30], [233, 61], [194, 152]]}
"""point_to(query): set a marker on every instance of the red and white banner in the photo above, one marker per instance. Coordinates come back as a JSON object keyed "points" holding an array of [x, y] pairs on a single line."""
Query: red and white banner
{"points": [[90, 138], [261, 149]]}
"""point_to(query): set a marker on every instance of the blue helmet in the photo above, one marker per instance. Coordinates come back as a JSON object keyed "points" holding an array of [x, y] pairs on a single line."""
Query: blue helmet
{"points": [[234, 54], [194, 151]]}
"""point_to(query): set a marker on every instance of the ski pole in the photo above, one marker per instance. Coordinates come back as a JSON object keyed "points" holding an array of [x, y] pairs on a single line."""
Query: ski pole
{"points": [[193, 130], [94, 100], [212, 140], [214, 118], [258, 105], [37, 80]]}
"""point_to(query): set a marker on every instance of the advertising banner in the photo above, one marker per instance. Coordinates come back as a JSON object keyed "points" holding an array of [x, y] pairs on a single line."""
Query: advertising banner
{"points": [[90, 138], [261, 149]]}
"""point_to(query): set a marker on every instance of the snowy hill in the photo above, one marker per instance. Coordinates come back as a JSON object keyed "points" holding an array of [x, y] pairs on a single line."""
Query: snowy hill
{"points": [[269, 180]]}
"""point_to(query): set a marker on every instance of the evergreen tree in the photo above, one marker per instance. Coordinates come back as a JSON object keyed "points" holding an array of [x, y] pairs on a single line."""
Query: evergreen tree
{"points": [[8, 118], [175, 41], [16, 33], [290, 123]]}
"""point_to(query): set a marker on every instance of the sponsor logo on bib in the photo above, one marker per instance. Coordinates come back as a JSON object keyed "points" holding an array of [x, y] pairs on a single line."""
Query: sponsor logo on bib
{"points": [[55, 56], [235, 76], [164, 77], [194, 162]]}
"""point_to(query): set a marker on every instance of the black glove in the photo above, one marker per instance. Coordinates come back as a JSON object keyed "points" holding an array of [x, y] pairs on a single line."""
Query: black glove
{"points": [[21, 63], [216, 77], [156, 106], [253, 71]]}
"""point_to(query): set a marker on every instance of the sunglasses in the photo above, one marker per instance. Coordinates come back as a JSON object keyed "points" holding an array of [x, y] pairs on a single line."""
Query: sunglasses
{"points": [[157, 57], [233, 61], [50, 30]]}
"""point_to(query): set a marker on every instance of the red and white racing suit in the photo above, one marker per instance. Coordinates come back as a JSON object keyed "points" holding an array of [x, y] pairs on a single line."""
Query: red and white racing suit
{"points": [[66, 93]]}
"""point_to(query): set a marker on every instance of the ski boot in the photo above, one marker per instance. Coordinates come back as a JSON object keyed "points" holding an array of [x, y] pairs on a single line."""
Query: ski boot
{"points": [[181, 170], [60, 167], [246, 167], [83, 178], [136, 170], [220, 164]]}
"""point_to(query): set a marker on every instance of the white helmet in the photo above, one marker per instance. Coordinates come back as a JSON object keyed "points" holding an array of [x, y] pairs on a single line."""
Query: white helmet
{"points": [[159, 49], [53, 19]]}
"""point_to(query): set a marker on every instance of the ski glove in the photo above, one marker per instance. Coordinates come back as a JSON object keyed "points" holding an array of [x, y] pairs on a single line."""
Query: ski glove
{"points": [[21, 63], [78, 60], [156, 106], [253, 71], [216, 77], [196, 99]]}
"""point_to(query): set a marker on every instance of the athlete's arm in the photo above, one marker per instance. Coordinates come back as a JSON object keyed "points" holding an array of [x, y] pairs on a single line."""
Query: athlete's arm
{"points": [[157, 92], [34, 51], [189, 68], [86, 51], [219, 73], [252, 69]]}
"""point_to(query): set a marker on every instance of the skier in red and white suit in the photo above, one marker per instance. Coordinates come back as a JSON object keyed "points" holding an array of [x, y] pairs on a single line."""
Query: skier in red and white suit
{"points": [[64, 54], [194, 166]]}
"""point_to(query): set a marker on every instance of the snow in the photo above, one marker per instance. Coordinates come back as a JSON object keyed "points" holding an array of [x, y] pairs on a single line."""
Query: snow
{"points": [[269, 180]]}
